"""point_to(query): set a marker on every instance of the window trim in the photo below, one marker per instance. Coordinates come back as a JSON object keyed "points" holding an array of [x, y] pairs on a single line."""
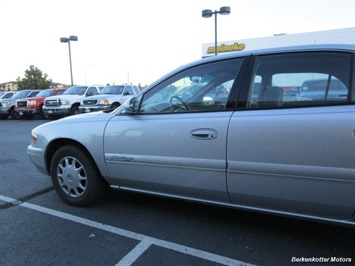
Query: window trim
{"points": [[231, 101]]}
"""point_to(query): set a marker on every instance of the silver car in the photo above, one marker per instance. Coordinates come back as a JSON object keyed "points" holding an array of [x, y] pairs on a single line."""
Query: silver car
{"points": [[205, 132]]}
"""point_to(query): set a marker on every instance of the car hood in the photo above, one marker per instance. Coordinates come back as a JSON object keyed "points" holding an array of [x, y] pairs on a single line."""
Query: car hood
{"points": [[11, 100], [310, 92], [35, 98], [102, 96], [322, 93], [65, 97], [83, 118]]}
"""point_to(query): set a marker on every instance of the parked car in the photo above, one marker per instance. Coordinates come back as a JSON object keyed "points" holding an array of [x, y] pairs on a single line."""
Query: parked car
{"points": [[222, 143], [30, 107], [320, 89], [108, 98], [7, 106], [6, 94], [68, 103], [291, 95]]}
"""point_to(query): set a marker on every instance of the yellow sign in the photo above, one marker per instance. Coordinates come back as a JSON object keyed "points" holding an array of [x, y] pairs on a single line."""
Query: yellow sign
{"points": [[226, 48]]}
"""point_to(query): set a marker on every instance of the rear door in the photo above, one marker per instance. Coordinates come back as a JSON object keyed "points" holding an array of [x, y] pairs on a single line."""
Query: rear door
{"points": [[295, 154]]}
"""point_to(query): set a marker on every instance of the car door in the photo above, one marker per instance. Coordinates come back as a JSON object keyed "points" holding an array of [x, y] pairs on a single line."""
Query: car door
{"points": [[176, 143], [295, 155]]}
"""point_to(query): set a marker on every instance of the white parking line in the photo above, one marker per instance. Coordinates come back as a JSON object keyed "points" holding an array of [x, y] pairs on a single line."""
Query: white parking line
{"points": [[145, 241], [135, 253]]}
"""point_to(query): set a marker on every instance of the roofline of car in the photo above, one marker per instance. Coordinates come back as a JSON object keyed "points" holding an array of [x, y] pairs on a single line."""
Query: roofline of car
{"points": [[275, 50]]}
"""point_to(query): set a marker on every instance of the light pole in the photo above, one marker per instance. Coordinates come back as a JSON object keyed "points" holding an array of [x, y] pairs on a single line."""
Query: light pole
{"points": [[207, 13], [71, 38]]}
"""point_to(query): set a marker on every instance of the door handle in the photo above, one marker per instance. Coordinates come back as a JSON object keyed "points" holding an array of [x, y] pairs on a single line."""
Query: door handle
{"points": [[204, 134]]}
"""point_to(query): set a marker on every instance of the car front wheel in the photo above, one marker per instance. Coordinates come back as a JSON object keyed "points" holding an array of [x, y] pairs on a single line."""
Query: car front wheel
{"points": [[74, 110], [75, 177]]}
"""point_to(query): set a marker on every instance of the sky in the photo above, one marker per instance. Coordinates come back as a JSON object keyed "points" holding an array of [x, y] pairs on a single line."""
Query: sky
{"points": [[138, 41]]}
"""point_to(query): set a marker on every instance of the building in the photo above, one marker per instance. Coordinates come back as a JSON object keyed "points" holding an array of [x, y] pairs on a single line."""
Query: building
{"points": [[344, 36], [9, 86], [13, 86]]}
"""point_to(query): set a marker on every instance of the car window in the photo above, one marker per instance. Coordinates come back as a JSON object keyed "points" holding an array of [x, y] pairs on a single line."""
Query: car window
{"points": [[21, 94], [91, 91], [77, 90], [115, 89], [33, 94], [202, 88], [8, 95], [60, 92], [45, 93], [128, 91], [300, 79]]}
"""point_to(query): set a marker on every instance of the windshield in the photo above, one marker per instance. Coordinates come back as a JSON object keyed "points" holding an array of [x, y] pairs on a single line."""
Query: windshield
{"points": [[45, 93], [21, 94], [112, 90], [77, 90]]}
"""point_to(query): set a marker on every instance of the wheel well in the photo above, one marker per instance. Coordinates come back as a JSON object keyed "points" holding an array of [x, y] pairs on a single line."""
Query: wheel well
{"points": [[75, 105], [74, 108], [56, 144], [116, 103]]}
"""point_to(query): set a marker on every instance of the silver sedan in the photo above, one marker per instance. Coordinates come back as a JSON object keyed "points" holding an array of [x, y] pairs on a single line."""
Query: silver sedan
{"points": [[206, 133]]}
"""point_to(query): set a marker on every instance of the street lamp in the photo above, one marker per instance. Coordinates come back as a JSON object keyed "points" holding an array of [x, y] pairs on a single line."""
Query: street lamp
{"points": [[207, 13], [71, 38]]}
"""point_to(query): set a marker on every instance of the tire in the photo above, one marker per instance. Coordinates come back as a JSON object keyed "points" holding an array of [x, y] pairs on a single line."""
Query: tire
{"points": [[13, 114], [75, 177], [41, 113], [51, 117], [74, 110], [115, 105]]}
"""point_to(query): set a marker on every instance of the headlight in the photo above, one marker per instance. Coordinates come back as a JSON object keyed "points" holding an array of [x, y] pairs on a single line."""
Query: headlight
{"points": [[104, 102], [64, 102], [5, 104], [34, 137], [29, 103]]}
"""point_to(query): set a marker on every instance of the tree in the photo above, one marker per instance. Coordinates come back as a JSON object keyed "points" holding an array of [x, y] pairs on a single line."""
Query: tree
{"points": [[34, 79]]}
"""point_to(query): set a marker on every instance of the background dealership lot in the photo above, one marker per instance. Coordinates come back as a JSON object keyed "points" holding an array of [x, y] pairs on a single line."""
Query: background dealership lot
{"points": [[37, 228]]}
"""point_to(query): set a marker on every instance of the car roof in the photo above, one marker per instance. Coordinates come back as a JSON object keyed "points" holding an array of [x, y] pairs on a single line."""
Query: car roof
{"points": [[284, 49]]}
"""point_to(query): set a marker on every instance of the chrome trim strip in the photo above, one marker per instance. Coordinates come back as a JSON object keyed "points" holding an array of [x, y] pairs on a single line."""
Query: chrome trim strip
{"points": [[166, 161]]}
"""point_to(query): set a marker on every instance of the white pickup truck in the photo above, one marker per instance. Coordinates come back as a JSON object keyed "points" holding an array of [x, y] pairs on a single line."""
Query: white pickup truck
{"points": [[68, 103], [109, 98]]}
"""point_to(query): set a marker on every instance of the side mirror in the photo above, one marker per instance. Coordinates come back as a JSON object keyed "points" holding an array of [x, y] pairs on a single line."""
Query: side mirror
{"points": [[131, 106], [208, 101]]}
